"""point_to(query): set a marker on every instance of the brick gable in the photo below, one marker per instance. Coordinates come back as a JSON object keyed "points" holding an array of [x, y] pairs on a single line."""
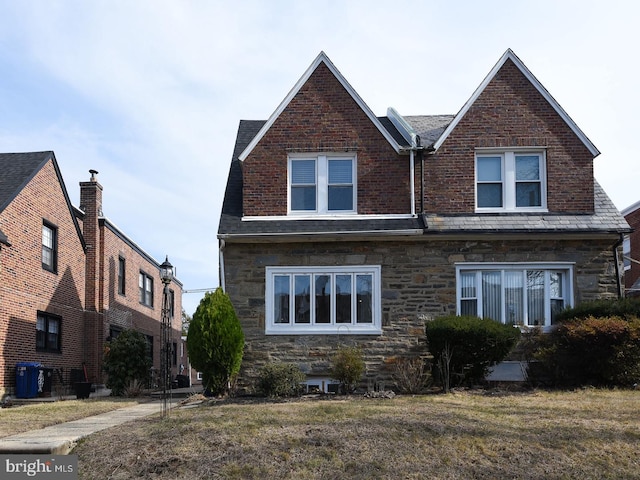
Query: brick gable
{"points": [[323, 117], [510, 112]]}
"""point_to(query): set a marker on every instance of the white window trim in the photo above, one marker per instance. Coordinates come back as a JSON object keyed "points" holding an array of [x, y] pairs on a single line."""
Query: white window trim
{"points": [[322, 183], [509, 179], [520, 266], [626, 252], [373, 328]]}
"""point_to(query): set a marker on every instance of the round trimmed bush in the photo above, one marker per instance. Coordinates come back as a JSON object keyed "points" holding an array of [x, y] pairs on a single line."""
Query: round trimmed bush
{"points": [[467, 346]]}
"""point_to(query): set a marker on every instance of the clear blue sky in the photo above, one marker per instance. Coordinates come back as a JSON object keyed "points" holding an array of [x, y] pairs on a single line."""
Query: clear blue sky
{"points": [[150, 93]]}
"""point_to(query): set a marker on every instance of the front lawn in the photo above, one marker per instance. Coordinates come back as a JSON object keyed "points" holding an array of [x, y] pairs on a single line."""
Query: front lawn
{"points": [[586, 434]]}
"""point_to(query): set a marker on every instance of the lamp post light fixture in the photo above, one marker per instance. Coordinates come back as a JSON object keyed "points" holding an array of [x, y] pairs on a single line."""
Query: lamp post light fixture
{"points": [[166, 275]]}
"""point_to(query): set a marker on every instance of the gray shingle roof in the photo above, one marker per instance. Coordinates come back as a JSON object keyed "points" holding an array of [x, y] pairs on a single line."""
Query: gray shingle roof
{"points": [[16, 170], [429, 127], [605, 219]]}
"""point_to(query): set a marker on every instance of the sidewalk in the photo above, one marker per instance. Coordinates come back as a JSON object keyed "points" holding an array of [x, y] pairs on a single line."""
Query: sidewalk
{"points": [[60, 439]]}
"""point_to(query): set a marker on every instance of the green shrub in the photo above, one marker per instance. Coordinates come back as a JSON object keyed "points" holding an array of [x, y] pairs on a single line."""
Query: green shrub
{"points": [[615, 307], [594, 351], [126, 359], [278, 379], [347, 367], [215, 342], [465, 347]]}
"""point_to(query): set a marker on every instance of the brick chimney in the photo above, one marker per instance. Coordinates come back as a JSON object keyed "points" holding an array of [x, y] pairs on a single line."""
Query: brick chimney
{"points": [[91, 205]]}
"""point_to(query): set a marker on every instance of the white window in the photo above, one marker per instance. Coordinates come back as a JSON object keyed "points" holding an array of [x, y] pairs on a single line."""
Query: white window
{"points": [[49, 247], [145, 286], [626, 252], [517, 294], [322, 184], [330, 300], [514, 180]]}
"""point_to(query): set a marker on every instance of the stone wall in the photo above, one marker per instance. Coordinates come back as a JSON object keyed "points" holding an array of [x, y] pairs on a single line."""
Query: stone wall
{"points": [[418, 282]]}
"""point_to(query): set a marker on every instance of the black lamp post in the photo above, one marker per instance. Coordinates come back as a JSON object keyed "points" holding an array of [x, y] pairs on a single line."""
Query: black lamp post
{"points": [[166, 275]]}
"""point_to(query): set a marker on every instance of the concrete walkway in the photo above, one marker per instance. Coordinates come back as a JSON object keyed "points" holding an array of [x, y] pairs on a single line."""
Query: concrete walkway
{"points": [[60, 439]]}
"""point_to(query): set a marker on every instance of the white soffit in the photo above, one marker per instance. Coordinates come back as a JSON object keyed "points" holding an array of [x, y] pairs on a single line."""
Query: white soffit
{"points": [[321, 58], [509, 55]]}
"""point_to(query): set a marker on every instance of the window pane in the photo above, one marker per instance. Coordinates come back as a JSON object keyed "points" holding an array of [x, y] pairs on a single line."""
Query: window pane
{"points": [[468, 287], [281, 296], [340, 171], [47, 256], [489, 169], [340, 198], [323, 298], [489, 195], [343, 298], [303, 198], [41, 324], [364, 298], [52, 337], [469, 307], [527, 167], [556, 293], [528, 194], [514, 297], [303, 172], [535, 297], [492, 295], [302, 298], [47, 237]]}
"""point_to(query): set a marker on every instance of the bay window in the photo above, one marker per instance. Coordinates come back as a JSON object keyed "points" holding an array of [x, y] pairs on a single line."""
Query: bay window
{"points": [[332, 300], [516, 294]]}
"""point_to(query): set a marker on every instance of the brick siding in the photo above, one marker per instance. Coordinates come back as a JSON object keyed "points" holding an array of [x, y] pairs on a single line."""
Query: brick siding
{"points": [[323, 117]]}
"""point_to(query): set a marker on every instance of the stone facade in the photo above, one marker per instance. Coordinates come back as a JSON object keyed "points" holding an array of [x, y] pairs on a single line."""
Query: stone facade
{"points": [[571, 230], [418, 283]]}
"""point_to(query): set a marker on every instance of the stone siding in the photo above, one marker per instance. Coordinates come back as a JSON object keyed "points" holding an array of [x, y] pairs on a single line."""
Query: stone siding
{"points": [[418, 282]]}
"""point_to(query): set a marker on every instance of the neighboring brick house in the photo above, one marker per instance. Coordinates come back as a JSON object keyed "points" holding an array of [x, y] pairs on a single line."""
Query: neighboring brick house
{"points": [[340, 227], [69, 278], [631, 250]]}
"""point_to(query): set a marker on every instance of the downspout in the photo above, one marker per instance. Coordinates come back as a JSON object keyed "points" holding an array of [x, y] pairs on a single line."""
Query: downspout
{"points": [[221, 265], [421, 158], [412, 173], [617, 265]]}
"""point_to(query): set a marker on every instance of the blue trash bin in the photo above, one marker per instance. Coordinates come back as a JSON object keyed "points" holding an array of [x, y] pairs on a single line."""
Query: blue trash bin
{"points": [[27, 379]]}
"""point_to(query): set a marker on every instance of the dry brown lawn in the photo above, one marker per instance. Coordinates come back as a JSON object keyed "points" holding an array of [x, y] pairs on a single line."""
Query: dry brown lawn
{"points": [[586, 434], [18, 419]]}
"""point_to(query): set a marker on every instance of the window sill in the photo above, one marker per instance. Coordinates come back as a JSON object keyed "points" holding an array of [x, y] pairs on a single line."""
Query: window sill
{"points": [[329, 330]]}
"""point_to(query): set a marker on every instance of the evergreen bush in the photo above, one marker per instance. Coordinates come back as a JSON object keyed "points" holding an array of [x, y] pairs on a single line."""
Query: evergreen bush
{"points": [[466, 346], [215, 342], [613, 307], [347, 367], [279, 379], [126, 359]]}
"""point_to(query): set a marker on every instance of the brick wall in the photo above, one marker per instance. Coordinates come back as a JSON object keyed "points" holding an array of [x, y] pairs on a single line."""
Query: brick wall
{"points": [[510, 112], [27, 288], [631, 275], [126, 311], [323, 117], [418, 280]]}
